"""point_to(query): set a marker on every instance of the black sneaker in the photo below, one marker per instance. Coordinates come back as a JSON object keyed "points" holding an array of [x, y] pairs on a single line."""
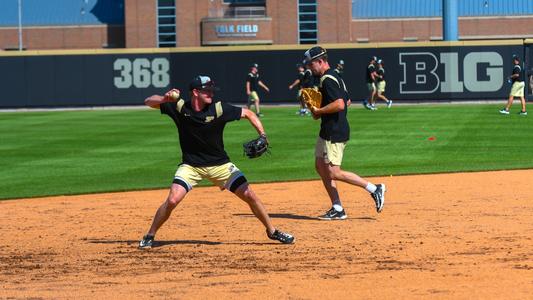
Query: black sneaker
{"points": [[283, 237], [332, 214], [379, 197], [146, 242]]}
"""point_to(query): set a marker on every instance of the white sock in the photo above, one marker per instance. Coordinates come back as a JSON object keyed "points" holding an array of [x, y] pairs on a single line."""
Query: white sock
{"points": [[337, 207], [371, 187]]}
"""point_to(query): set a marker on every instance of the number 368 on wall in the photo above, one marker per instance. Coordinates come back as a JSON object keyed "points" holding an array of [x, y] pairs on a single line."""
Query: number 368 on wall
{"points": [[141, 73]]}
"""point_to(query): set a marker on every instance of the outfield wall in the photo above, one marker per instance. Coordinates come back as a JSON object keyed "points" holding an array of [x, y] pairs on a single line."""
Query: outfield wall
{"points": [[414, 71]]}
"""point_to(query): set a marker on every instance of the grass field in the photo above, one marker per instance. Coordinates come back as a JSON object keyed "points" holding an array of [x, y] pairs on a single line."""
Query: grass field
{"points": [[74, 152]]}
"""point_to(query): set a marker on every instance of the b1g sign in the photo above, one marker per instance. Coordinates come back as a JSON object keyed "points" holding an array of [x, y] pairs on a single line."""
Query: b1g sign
{"points": [[465, 73]]}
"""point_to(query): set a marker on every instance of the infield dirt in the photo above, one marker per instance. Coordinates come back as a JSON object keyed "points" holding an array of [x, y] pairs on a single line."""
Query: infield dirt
{"points": [[463, 235]]}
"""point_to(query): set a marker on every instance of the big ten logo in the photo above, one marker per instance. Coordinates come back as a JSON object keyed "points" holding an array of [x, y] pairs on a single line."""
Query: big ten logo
{"points": [[482, 72], [141, 73]]}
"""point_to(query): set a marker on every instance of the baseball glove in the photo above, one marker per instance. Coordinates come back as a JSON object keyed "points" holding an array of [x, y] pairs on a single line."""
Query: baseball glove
{"points": [[256, 147], [311, 97]]}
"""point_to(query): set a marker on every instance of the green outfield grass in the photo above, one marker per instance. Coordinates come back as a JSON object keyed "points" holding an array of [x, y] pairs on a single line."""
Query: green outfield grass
{"points": [[73, 152]]}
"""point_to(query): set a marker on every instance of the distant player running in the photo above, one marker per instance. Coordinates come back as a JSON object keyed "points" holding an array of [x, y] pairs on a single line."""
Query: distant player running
{"points": [[298, 84], [517, 89], [252, 87], [200, 124], [381, 83], [340, 68], [370, 84]]}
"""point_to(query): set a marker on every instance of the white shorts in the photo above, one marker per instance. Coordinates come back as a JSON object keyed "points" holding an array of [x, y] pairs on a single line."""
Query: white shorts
{"points": [[330, 152], [224, 176], [517, 90]]}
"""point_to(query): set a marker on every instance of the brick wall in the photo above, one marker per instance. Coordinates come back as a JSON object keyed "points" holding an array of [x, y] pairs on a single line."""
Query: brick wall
{"points": [[65, 37], [141, 24], [431, 29]]}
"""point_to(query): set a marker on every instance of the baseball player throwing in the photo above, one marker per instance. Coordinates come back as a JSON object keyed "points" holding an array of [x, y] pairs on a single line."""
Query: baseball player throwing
{"points": [[200, 124]]}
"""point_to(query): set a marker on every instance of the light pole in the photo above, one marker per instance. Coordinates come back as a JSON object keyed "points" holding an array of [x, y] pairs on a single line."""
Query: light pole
{"points": [[20, 24], [449, 20]]}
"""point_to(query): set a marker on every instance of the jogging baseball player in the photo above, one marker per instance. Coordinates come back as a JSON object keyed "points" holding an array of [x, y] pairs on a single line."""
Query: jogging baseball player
{"points": [[370, 83], [334, 133], [298, 84], [381, 83], [517, 89], [340, 68], [309, 80], [252, 86], [200, 124]]}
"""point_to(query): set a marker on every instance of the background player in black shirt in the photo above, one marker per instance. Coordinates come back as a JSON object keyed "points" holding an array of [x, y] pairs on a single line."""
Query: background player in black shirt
{"points": [[517, 89], [298, 82], [381, 83], [340, 68], [252, 86], [334, 133], [370, 84], [200, 124]]}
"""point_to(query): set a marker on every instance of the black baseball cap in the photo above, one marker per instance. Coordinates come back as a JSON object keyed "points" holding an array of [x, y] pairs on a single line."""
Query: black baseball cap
{"points": [[254, 66], [516, 57], [313, 53], [202, 82], [374, 58]]}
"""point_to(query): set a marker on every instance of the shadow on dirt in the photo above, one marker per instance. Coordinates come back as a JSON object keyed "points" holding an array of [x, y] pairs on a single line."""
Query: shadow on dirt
{"points": [[156, 243], [299, 217], [282, 216]]}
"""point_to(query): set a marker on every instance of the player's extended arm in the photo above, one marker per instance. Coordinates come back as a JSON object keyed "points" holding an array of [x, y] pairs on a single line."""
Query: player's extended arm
{"points": [[333, 107], [294, 84], [261, 84], [254, 120], [155, 101], [374, 75], [248, 88]]}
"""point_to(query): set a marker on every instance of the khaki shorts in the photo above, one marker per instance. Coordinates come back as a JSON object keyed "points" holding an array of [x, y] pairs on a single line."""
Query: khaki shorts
{"points": [[330, 152], [381, 86], [517, 90], [253, 97], [223, 176], [371, 87]]}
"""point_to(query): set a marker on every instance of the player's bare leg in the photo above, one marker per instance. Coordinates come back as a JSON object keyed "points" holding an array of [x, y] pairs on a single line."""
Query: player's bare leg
{"points": [[382, 97], [336, 173], [509, 103], [372, 100], [257, 106], [523, 101], [176, 194], [327, 181], [247, 195]]}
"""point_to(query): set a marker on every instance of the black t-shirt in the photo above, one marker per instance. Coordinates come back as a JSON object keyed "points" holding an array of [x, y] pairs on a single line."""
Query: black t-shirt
{"points": [[339, 71], [334, 127], [201, 133], [517, 70], [381, 73], [369, 70], [309, 80], [253, 79], [301, 77]]}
